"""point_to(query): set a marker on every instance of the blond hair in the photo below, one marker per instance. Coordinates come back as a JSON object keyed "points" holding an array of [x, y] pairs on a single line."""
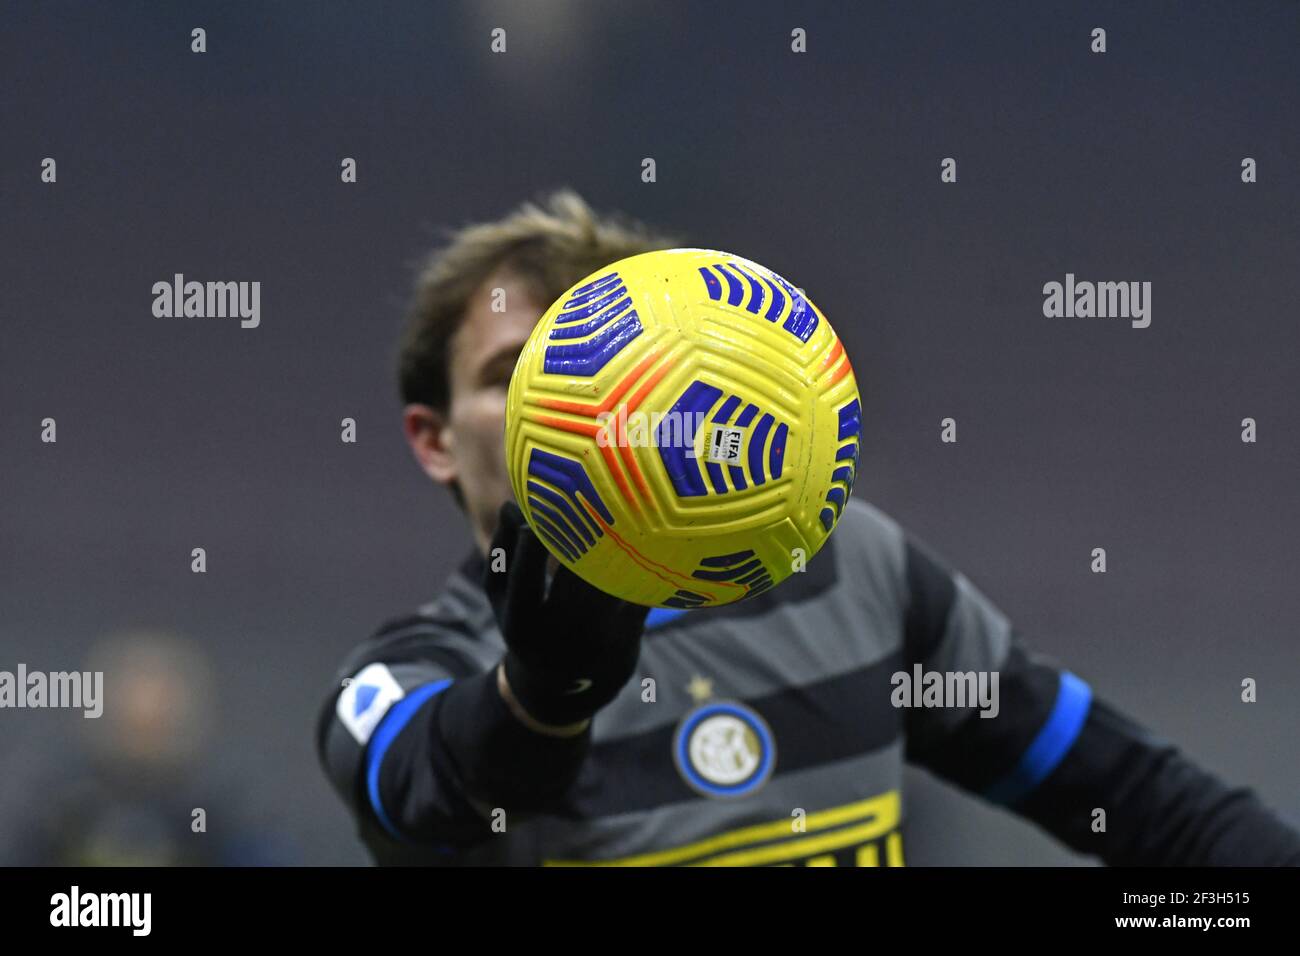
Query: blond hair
{"points": [[549, 244]]}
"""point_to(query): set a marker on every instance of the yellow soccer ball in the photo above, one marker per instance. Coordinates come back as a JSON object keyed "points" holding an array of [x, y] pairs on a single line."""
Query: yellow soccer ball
{"points": [[682, 428]]}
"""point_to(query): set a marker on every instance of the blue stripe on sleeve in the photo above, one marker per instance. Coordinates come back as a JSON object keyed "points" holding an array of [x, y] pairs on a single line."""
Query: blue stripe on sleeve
{"points": [[391, 725], [1073, 700]]}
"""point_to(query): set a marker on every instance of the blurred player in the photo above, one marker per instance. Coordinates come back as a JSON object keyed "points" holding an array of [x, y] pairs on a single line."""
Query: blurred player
{"points": [[527, 720], [126, 796]]}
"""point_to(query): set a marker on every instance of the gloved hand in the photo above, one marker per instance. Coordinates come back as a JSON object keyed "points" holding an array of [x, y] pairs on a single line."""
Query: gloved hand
{"points": [[570, 648]]}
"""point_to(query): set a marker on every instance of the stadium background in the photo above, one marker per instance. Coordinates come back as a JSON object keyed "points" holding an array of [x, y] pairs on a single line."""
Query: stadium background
{"points": [[1073, 433]]}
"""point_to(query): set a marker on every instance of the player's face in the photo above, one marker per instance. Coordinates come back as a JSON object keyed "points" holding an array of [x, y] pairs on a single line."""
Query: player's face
{"points": [[483, 355]]}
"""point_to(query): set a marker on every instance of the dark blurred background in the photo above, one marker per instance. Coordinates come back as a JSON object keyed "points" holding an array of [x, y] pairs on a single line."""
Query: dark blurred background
{"points": [[1073, 433]]}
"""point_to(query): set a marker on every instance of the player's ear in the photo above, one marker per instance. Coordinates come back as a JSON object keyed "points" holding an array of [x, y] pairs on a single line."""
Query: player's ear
{"points": [[429, 433]]}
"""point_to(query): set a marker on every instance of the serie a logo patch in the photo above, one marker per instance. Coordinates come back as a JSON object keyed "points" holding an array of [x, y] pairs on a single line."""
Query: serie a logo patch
{"points": [[366, 699], [724, 749]]}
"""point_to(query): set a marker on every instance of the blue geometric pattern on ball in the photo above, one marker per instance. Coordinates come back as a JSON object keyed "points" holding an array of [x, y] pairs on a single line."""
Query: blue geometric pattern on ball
{"points": [[584, 306], [588, 358], [675, 444], [776, 457], [551, 527], [755, 290], [582, 522], [686, 599], [724, 413], [584, 295], [602, 307], [850, 420], [711, 283], [778, 301], [591, 325], [802, 320], [741, 567], [756, 442], [735, 292], [561, 519], [850, 431]]}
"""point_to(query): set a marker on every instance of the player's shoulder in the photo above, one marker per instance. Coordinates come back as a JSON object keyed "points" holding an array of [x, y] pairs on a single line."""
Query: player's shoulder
{"points": [[455, 630], [860, 564], [873, 545], [871, 524], [450, 637]]}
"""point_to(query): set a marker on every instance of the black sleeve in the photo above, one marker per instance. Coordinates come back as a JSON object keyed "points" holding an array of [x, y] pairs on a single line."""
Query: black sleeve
{"points": [[1055, 754], [501, 762], [421, 747], [1161, 809]]}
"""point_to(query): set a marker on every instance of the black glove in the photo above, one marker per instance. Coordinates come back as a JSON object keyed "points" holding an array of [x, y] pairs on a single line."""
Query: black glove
{"points": [[570, 648]]}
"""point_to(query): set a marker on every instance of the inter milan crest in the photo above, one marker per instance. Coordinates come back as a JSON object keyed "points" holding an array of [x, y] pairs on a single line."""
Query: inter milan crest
{"points": [[724, 749]]}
